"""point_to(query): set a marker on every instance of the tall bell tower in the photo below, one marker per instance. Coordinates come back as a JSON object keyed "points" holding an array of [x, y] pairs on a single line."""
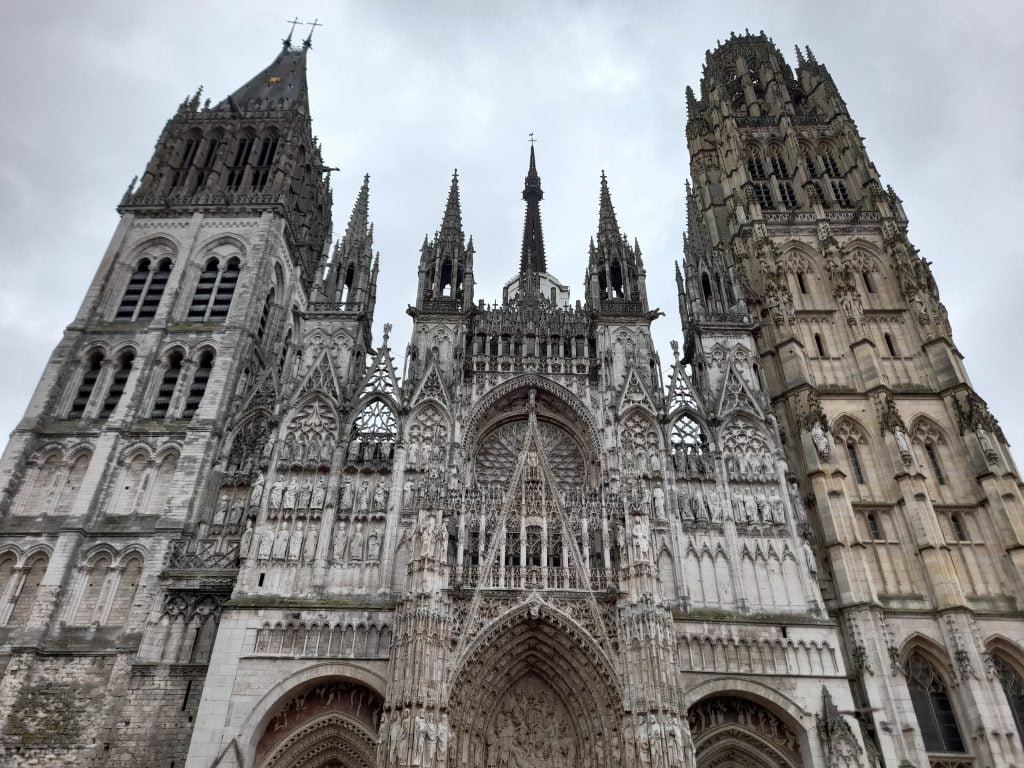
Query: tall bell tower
{"points": [[914, 501]]}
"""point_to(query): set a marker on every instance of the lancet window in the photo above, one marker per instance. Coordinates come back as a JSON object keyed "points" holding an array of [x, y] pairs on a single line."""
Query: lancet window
{"points": [[374, 433], [117, 384], [93, 366], [168, 384], [933, 707], [1013, 686], [216, 286], [145, 289], [198, 388]]}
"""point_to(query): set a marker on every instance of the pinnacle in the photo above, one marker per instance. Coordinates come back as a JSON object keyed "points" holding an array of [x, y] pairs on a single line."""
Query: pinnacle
{"points": [[358, 223], [607, 225], [451, 224]]}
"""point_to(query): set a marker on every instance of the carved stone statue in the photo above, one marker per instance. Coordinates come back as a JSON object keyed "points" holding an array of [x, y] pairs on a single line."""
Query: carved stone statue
{"points": [[295, 542], [266, 542], [641, 538], [364, 496], [290, 492], [281, 543], [820, 440], [305, 495], [903, 444], [373, 546], [319, 495], [256, 494], [659, 502], [380, 497], [775, 506], [309, 545], [749, 507], [276, 494], [408, 494], [346, 495], [221, 514], [714, 505], [340, 540], [246, 543], [812, 563], [355, 545], [988, 447]]}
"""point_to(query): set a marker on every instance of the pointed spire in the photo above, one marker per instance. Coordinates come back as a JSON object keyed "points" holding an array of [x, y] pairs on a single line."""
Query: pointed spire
{"points": [[607, 225], [533, 259], [282, 85], [358, 223], [451, 225]]}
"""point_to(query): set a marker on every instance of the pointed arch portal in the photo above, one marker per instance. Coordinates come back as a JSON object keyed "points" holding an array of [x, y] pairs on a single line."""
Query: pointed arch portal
{"points": [[733, 732], [531, 695]]}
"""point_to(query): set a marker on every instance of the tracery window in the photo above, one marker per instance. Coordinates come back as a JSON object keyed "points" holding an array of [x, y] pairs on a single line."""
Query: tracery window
{"points": [[957, 524], [93, 366], [26, 598], [874, 528], [932, 705], [144, 290], [841, 194], [1013, 686], [851, 452], [265, 161], [236, 171], [374, 432], [216, 286], [928, 436]]}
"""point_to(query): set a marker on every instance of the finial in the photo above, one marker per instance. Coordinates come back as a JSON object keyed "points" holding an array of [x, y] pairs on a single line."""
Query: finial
{"points": [[288, 40], [308, 42], [387, 332]]}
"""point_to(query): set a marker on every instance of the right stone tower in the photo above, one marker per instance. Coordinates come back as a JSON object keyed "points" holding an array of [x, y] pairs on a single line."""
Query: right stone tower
{"points": [[914, 502]]}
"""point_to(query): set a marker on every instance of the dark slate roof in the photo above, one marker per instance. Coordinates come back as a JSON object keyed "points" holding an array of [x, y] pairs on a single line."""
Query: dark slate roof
{"points": [[281, 85]]}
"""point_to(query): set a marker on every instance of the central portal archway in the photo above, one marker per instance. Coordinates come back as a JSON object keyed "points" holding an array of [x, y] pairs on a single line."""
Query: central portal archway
{"points": [[535, 692]]}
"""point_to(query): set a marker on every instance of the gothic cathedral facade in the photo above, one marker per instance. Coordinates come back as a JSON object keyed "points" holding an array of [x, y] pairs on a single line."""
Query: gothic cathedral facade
{"points": [[233, 534]]}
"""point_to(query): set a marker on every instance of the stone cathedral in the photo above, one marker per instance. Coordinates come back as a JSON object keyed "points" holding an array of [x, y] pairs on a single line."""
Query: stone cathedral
{"points": [[234, 535]]}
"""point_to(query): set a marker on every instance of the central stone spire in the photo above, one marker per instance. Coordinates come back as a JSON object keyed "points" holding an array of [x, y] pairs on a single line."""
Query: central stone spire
{"points": [[532, 261]]}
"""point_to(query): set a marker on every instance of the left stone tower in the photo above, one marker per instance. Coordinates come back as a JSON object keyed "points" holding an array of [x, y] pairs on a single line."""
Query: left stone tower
{"points": [[126, 485]]}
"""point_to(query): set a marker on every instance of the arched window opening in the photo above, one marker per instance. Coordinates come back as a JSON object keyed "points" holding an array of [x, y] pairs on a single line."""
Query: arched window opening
{"points": [[851, 452], [283, 358], [787, 195], [812, 167], [802, 282], [875, 528], [891, 346], [934, 710], [346, 287], [168, 383], [155, 290], [602, 284], [268, 150], [206, 163], [128, 585], [204, 290], [705, 287], [199, 381], [27, 596], [819, 345], [225, 290], [72, 483], [93, 366], [841, 194], [618, 291], [755, 166], [828, 161], [933, 459], [959, 531], [869, 281], [554, 291], [265, 316], [134, 292], [689, 442], [117, 384], [778, 162], [1013, 686], [7, 575], [95, 579], [236, 171], [188, 156], [445, 284], [374, 433]]}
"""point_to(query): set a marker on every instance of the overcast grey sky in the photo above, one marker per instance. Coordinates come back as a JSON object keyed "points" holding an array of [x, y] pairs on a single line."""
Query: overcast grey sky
{"points": [[407, 91]]}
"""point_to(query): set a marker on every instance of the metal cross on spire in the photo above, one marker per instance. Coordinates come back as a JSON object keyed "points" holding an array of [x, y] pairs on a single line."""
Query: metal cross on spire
{"points": [[308, 42], [294, 22], [532, 140]]}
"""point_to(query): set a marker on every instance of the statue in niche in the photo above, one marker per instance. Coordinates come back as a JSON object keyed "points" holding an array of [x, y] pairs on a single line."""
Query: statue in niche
{"points": [[761, 502], [364, 496], [641, 538], [290, 492], [697, 506], [326, 451], [749, 507], [643, 741], [246, 543], [988, 447], [714, 505], [903, 444], [305, 495], [812, 563], [355, 545], [281, 543], [346, 495], [277, 494], [266, 536], [256, 494], [820, 440], [659, 503], [319, 495], [380, 497], [237, 509], [408, 494], [373, 546], [655, 462], [768, 461], [221, 514], [309, 545], [414, 451], [775, 506], [798, 503], [295, 542], [685, 510], [731, 469], [427, 534], [340, 540]]}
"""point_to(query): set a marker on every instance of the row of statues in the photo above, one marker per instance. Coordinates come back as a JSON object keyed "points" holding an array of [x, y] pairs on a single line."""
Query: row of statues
{"points": [[289, 496], [266, 543], [749, 466], [710, 505], [365, 498], [418, 741]]}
